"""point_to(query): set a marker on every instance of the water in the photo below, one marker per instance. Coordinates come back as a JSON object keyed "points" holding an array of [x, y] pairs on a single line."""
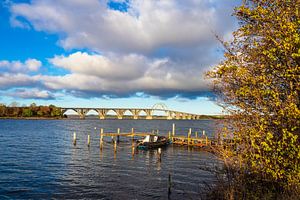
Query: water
{"points": [[39, 161]]}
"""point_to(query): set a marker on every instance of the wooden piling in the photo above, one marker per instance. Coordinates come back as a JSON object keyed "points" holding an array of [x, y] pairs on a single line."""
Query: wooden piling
{"points": [[132, 151], [196, 134], [159, 154], [88, 141], [118, 136], [101, 138], [173, 130], [189, 136], [74, 139], [169, 135], [115, 145]]}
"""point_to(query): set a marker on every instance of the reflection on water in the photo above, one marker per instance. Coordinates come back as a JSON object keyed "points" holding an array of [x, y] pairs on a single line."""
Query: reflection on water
{"points": [[38, 161]]}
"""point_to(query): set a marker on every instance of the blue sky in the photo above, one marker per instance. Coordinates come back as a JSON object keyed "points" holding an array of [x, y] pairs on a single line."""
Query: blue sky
{"points": [[118, 53]]}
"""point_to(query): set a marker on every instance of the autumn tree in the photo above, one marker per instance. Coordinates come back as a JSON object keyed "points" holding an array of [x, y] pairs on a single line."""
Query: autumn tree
{"points": [[259, 83]]}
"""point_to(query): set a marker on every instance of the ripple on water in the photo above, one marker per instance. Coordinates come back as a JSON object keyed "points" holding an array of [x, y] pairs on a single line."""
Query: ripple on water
{"points": [[38, 161]]}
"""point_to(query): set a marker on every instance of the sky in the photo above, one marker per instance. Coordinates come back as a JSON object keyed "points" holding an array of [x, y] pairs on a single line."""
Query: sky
{"points": [[112, 53]]}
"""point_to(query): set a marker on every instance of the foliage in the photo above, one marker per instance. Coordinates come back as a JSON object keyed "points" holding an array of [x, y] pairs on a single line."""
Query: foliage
{"points": [[27, 112], [259, 83], [32, 111]]}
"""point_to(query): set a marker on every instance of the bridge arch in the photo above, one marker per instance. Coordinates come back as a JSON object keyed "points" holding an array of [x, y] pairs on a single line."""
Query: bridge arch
{"points": [[91, 112], [160, 106], [128, 114], [111, 113], [70, 111]]}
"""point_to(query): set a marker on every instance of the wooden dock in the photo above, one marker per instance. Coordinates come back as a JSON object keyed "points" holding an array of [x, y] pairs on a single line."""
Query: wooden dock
{"points": [[189, 140]]}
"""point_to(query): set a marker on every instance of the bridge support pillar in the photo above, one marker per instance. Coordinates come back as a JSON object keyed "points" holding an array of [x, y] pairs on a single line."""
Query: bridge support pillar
{"points": [[135, 113], [102, 113]]}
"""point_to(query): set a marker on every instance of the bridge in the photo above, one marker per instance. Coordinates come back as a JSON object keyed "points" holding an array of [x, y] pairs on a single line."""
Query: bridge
{"points": [[136, 113]]}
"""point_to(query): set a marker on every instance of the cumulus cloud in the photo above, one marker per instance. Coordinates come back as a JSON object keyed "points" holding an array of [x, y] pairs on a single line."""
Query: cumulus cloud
{"points": [[113, 67], [8, 80], [32, 94], [157, 47], [146, 26], [122, 76], [30, 65]]}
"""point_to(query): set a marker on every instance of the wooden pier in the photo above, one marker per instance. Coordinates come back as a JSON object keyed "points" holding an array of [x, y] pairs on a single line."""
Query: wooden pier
{"points": [[189, 140]]}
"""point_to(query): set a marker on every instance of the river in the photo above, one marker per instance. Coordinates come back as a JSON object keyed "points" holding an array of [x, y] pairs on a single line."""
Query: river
{"points": [[39, 161]]}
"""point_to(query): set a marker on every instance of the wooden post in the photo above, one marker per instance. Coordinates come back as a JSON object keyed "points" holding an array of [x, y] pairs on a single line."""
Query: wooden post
{"points": [[101, 138], [206, 141], [88, 141], [74, 139], [169, 135], [203, 132], [173, 130], [115, 145], [196, 134], [118, 136], [132, 151], [189, 136], [159, 154], [157, 131]]}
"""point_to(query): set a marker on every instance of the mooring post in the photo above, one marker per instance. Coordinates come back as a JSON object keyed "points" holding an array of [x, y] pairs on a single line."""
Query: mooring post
{"points": [[74, 139], [189, 136], [115, 145], [101, 138], [159, 154], [89, 140], [206, 140], [118, 136], [203, 132], [173, 132], [132, 151], [169, 135], [196, 134]]}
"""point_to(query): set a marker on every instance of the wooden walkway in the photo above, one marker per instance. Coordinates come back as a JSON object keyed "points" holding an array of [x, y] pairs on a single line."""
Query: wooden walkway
{"points": [[189, 140]]}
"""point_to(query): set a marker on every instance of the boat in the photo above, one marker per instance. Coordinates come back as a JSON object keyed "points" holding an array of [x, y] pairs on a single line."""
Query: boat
{"points": [[152, 142]]}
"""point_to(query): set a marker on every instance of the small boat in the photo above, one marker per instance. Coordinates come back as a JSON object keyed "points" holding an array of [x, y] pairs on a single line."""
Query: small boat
{"points": [[152, 142]]}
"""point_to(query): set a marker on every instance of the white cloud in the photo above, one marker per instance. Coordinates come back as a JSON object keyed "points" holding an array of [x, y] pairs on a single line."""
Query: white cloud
{"points": [[15, 80], [112, 67], [122, 76], [33, 64], [157, 47], [146, 26], [18, 66], [31, 94]]}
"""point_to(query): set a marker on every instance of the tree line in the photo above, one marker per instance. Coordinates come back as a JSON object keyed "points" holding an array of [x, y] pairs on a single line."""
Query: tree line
{"points": [[33, 110]]}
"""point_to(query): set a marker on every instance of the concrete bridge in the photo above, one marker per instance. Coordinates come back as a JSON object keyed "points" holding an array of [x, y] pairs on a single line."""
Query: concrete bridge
{"points": [[136, 113]]}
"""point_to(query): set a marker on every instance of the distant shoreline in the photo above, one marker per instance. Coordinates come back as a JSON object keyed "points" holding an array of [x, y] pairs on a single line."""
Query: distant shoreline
{"points": [[205, 117]]}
